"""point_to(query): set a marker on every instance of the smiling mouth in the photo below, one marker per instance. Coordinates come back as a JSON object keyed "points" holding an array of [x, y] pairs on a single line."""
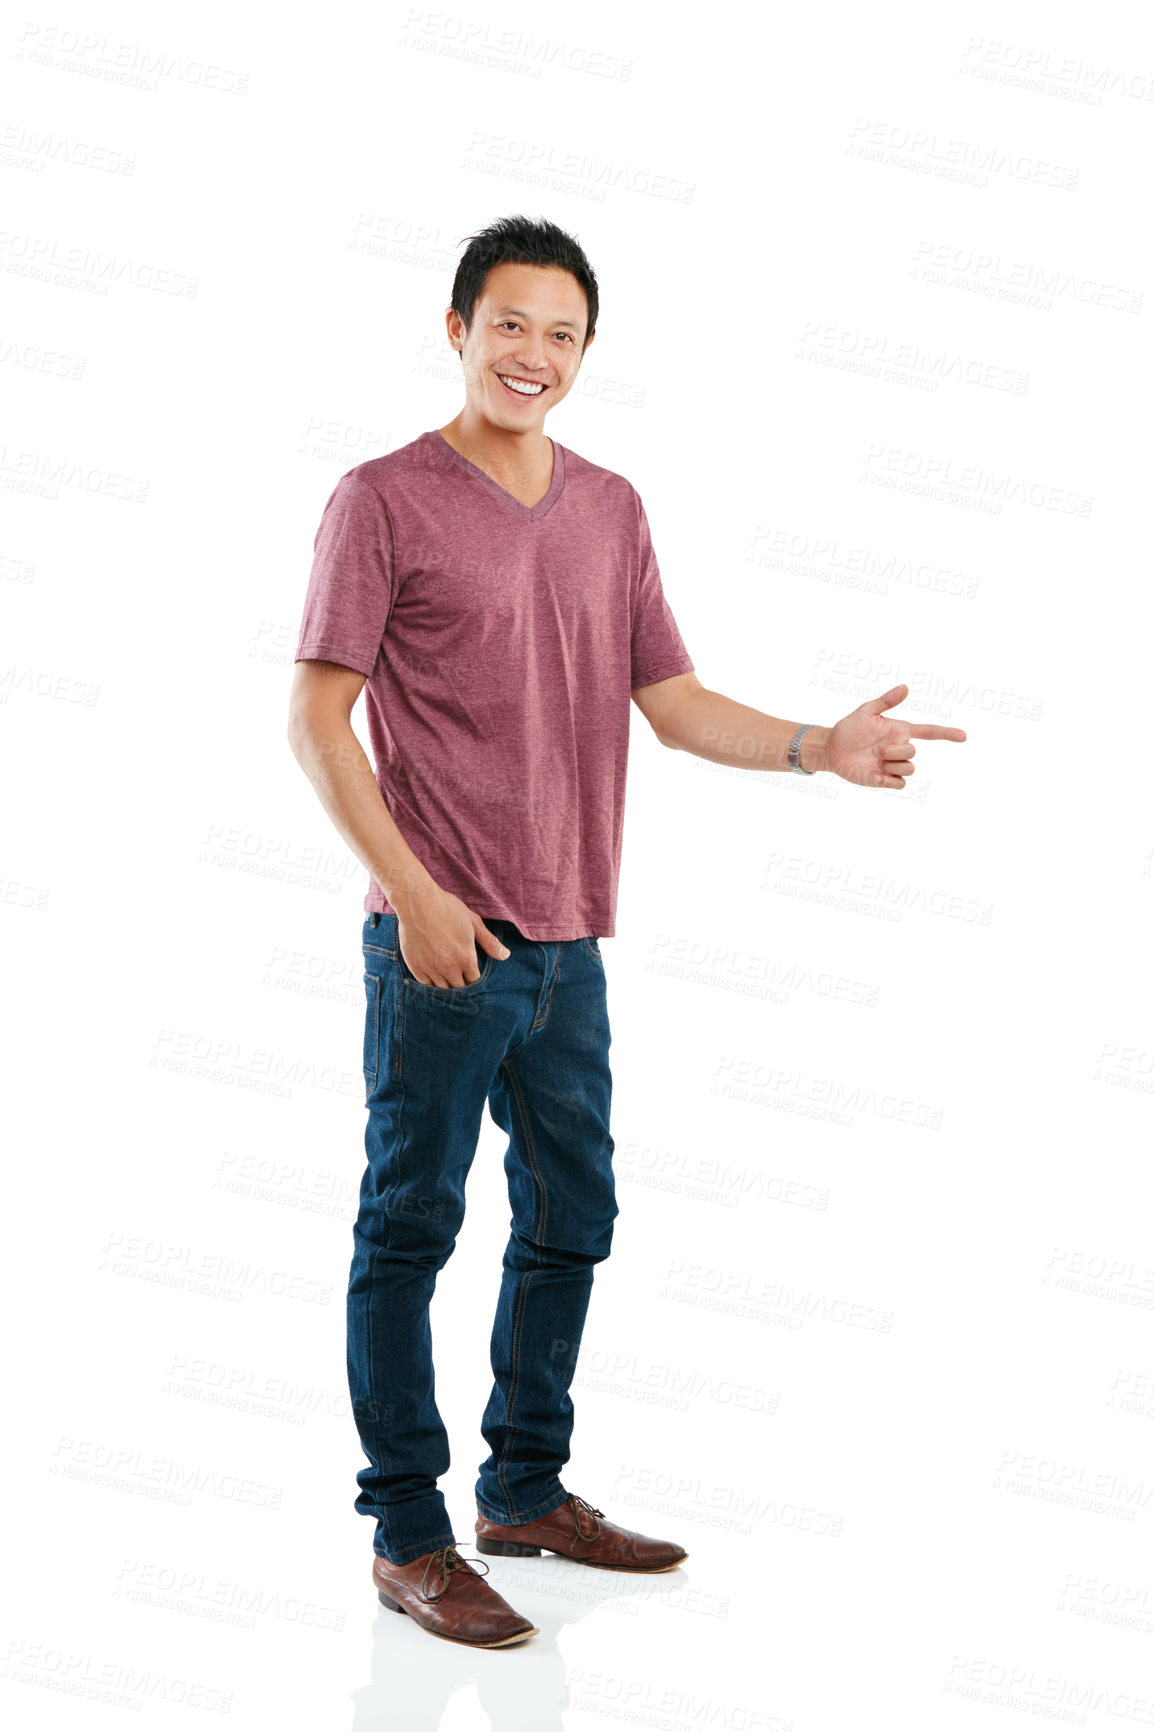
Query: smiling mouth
{"points": [[520, 387]]}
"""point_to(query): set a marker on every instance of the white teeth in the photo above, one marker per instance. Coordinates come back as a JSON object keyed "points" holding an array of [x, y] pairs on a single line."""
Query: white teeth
{"points": [[521, 385]]}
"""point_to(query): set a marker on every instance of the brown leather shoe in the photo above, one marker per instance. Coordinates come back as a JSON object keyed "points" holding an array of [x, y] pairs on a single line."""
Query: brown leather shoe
{"points": [[577, 1530], [443, 1593]]}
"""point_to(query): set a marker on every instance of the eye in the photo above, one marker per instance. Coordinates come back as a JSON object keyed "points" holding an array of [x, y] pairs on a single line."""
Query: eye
{"points": [[568, 335]]}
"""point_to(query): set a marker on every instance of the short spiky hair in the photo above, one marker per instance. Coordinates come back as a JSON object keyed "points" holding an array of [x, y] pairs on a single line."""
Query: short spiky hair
{"points": [[518, 240]]}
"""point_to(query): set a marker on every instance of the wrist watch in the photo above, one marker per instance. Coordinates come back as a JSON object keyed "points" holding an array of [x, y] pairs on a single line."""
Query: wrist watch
{"points": [[795, 750]]}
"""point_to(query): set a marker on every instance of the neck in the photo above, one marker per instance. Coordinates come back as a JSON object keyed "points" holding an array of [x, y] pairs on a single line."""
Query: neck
{"points": [[505, 453]]}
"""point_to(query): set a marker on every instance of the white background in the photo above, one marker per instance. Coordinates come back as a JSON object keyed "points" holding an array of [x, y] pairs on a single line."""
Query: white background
{"points": [[874, 1342]]}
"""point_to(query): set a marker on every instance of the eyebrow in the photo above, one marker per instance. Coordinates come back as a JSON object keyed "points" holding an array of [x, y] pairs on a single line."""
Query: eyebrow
{"points": [[501, 311]]}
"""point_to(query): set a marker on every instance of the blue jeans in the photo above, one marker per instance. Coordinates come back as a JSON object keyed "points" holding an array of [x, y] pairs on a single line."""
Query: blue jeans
{"points": [[531, 1037]]}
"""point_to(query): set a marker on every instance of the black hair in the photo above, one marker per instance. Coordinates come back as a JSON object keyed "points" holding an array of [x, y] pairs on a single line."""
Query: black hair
{"points": [[518, 240]]}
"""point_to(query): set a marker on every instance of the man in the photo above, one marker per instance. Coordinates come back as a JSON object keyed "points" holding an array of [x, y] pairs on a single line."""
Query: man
{"points": [[501, 598]]}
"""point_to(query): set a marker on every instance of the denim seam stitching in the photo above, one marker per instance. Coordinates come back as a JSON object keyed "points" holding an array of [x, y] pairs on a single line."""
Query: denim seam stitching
{"points": [[374, 1013], [535, 1026], [510, 1405], [523, 1286], [540, 1021], [399, 1021], [370, 1352], [539, 1226]]}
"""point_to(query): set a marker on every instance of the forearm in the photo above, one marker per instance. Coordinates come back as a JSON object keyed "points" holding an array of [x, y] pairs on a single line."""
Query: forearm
{"points": [[715, 727], [336, 764]]}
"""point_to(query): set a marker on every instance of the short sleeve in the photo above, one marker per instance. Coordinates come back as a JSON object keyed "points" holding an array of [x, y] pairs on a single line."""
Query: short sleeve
{"points": [[657, 651], [352, 585]]}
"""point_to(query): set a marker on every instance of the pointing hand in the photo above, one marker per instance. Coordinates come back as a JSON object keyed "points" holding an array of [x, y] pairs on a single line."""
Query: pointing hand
{"points": [[874, 750]]}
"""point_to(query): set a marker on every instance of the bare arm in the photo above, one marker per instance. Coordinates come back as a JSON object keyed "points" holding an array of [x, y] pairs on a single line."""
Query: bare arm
{"points": [[684, 714], [437, 931], [865, 747]]}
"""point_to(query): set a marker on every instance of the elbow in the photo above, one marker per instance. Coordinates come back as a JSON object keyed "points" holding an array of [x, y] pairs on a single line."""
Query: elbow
{"points": [[298, 733], [670, 730]]}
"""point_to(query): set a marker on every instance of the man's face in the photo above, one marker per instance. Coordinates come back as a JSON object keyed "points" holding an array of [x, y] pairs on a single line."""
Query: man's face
{"points": [[528, 325]]}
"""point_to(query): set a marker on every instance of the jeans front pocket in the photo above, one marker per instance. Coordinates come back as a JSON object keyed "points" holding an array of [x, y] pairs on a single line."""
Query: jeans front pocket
{"points": [[593, 946], [444, 993]]}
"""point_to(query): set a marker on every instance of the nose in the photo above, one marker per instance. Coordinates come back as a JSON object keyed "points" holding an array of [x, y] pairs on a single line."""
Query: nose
{"points": [[530, 355]]}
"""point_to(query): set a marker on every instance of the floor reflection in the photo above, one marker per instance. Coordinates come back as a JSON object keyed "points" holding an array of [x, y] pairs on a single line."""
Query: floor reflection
{"points": [[522, 1688]]}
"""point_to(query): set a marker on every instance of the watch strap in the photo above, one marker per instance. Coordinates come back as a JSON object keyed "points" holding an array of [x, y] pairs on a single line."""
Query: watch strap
{"points": [[795, 750]]}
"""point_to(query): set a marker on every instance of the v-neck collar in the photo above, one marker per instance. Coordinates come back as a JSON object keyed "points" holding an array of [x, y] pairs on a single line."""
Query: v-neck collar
{"points": [[528, 513]]}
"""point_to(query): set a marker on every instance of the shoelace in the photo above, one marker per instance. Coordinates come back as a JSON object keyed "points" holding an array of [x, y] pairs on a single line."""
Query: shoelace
{"points": [[447, 1559], [579, 1504]]}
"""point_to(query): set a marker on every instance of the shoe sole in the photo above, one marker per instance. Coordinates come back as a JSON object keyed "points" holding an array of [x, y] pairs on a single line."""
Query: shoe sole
{"points": [[514, 1549], [462, 1641]]}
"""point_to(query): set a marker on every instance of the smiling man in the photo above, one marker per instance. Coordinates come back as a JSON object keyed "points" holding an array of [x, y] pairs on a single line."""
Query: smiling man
{"points": [[498, 598]]}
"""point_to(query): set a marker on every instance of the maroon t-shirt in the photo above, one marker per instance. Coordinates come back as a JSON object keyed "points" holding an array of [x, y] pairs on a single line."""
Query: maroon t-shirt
{"points": [[501, 643]]}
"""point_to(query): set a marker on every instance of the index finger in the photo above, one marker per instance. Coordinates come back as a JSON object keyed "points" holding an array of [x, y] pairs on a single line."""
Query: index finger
{"points": [[930, 731]]}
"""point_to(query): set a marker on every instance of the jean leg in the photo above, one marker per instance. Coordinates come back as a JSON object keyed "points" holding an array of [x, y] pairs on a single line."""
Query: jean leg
{"points": [[430, 1056], [552, 1096]]}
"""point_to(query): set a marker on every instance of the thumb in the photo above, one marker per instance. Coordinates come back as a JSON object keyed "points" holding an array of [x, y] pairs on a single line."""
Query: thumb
{"points": [[875, 706], [489, 941]]}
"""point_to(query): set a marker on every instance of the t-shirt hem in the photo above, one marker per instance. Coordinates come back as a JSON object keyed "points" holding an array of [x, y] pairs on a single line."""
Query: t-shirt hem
{"points": [[544, 929]]}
